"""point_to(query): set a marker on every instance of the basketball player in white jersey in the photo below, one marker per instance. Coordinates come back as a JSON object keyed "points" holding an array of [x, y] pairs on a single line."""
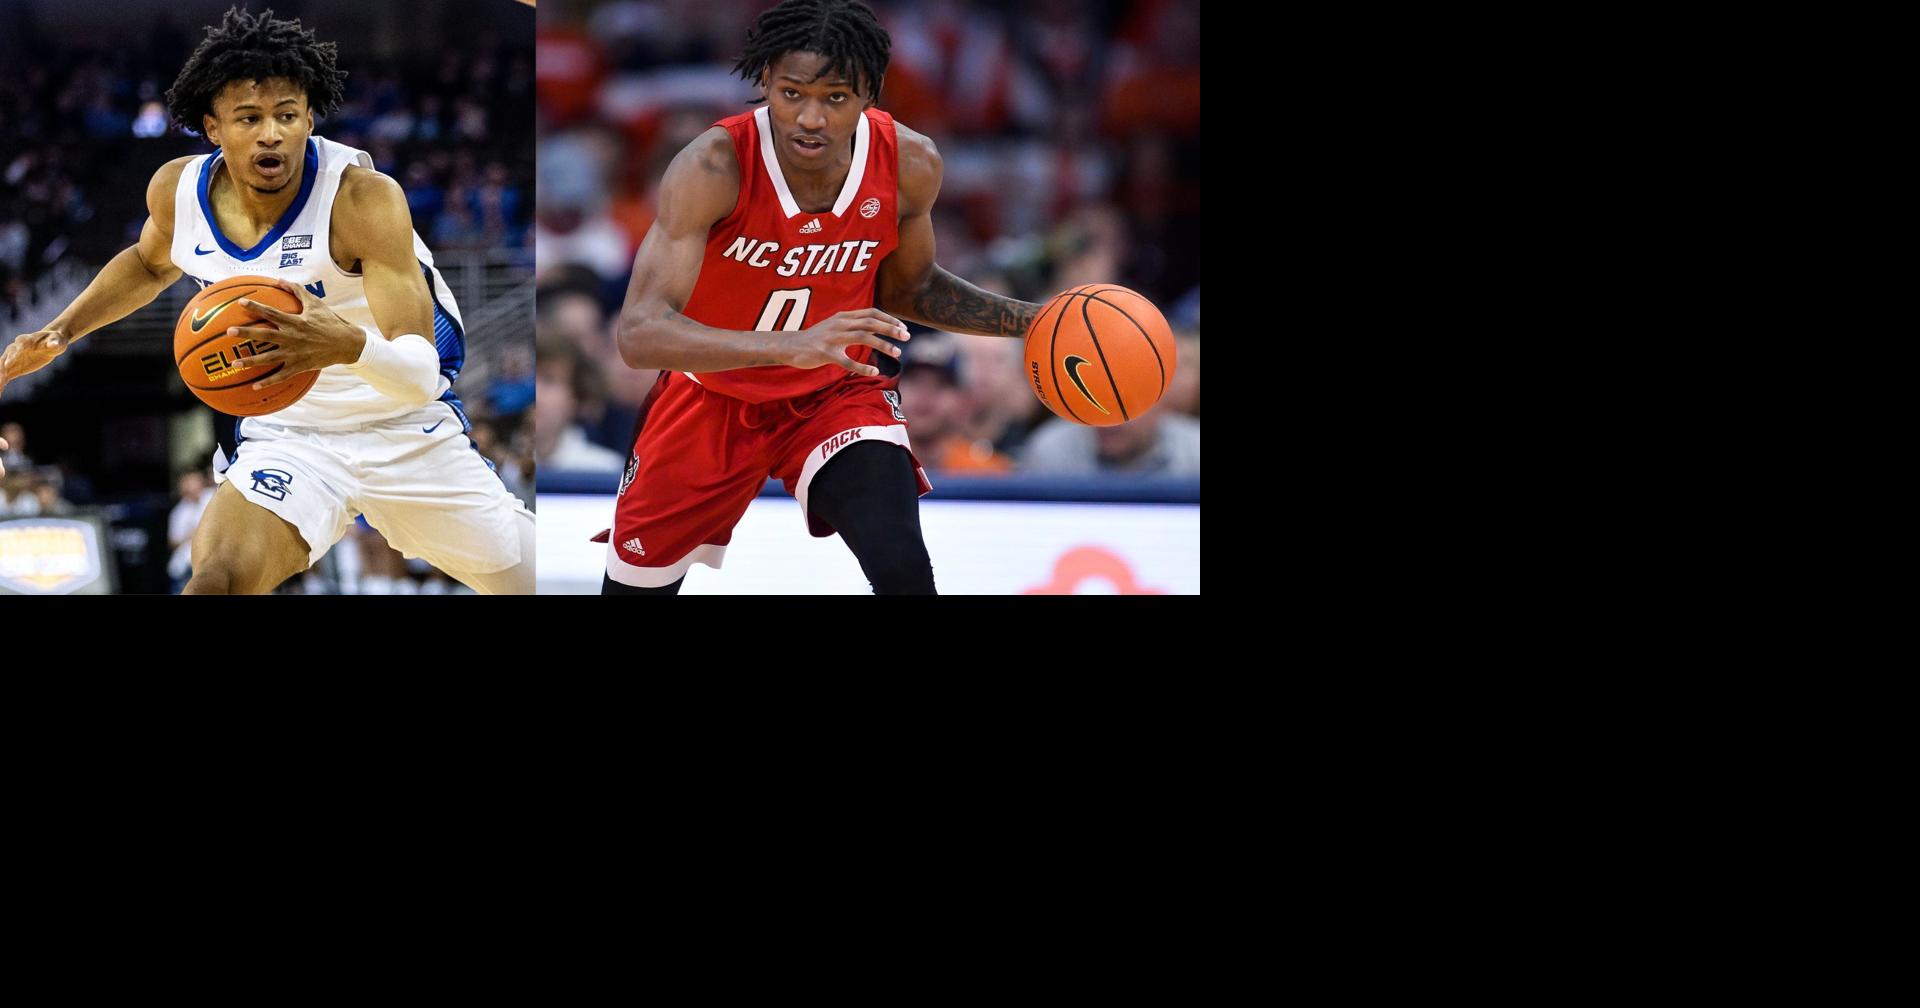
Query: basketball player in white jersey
{"points": [[381, 432]]}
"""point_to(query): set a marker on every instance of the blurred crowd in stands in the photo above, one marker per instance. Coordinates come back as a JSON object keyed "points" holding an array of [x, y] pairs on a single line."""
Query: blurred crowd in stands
{"points": [[28, 489], [451, 127], [1070, 132]]}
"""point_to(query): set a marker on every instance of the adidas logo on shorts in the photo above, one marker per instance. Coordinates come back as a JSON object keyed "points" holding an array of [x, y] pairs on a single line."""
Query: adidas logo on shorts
{"points": [[812, 227], [634, 545]]}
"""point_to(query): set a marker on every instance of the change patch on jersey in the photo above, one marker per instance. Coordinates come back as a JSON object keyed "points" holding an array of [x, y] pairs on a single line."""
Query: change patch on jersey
{"points": [[292, 242]]}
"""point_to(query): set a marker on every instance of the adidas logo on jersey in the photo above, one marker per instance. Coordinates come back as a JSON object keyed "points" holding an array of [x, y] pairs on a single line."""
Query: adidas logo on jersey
{"points": [[812, 227], [634, 545]]}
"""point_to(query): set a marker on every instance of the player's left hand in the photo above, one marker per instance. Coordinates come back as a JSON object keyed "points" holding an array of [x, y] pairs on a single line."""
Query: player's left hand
{"points": [[316, 338], [29, 352]]}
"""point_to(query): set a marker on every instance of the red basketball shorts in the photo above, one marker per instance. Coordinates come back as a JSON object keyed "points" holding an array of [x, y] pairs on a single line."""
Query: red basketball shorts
{"points": [[701, 457]]}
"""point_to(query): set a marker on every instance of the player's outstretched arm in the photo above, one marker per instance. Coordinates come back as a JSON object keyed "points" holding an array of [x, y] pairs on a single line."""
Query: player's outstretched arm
{"points": [[699, 190], [125, 284], [912, 286], [371, 225]]}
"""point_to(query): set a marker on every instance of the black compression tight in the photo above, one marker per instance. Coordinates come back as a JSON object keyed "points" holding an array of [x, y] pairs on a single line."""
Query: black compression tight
{"points": [[870, 495], [609, 586]]}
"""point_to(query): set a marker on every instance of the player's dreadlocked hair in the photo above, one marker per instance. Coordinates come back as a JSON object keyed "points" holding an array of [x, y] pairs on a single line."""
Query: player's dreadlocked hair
{"points": [[844, 31], [253, 47]]}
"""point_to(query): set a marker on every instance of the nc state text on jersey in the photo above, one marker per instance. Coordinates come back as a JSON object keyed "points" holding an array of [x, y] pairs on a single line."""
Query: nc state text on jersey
{"points": [[804, 260]]}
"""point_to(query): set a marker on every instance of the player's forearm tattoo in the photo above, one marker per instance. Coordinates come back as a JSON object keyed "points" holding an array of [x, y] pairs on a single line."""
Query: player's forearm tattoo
{"points": [[958, 306]]}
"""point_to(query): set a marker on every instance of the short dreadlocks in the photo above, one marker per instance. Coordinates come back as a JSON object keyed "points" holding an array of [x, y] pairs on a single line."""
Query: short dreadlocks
{"points": [[844, 31], [255, 47]]}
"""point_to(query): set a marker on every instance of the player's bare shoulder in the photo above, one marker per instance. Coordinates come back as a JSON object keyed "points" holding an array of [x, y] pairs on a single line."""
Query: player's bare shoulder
{"points": [[703, 180], [920, 169], [713, 151], [370, 209], [366, 193], [161, 188]]}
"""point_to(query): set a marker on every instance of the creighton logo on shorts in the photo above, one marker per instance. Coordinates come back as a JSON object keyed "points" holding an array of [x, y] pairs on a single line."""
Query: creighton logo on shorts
{"points": [[272, 483]]}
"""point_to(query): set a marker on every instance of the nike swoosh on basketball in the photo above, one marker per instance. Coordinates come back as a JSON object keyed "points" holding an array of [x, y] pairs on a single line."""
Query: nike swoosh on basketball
{"points": [[435, 427], [201, 319], [1073, 372], [197, 250]]}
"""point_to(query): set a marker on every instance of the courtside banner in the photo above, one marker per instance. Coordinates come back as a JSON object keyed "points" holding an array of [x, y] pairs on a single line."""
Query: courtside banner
{"points": [[978, 548], [51, 556]]}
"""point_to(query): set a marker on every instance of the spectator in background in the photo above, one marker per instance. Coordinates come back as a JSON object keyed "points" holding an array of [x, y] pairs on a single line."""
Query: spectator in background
{"points": [[559, 443], [506, 462], [14, 493], [571, 220], [939, 408], [47, 498], [1157, 443], [29, 494], [496, 203], [609, 402], [511, 391], [457, 228], [196, 491], [13, 454], [1183, 392]]}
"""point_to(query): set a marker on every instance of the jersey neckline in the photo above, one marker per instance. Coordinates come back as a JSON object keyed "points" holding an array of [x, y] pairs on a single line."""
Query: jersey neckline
{"points": [[855, 173], [307, 173]]}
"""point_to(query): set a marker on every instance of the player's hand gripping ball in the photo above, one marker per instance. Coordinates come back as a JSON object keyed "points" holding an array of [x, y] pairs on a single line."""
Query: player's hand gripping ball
{"points": [[1099, 354], [214, 364]]}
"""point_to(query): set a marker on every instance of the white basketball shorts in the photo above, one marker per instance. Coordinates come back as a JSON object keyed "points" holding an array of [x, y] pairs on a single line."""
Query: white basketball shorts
{"points": [[418, 479]]}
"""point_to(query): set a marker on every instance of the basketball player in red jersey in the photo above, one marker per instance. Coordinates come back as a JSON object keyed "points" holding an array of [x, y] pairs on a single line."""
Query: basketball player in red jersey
{"points": [[790, 242]]}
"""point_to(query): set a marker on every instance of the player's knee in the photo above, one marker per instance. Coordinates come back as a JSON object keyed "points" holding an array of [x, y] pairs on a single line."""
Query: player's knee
{"points": [[229, 572], [515, 580], [218, 575], [208, 579]]}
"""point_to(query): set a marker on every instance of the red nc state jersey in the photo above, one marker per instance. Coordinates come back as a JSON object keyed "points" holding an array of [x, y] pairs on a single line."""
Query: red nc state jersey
{"points": [[770, 267]]}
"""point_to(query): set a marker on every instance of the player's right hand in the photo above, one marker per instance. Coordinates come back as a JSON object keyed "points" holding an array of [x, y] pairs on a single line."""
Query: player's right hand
{"points": [[826, 342], [29, 352]]}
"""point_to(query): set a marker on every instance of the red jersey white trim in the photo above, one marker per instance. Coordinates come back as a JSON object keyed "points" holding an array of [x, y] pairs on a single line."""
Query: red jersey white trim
{"points": [[769, 267], [659, 577], [854, 174]]}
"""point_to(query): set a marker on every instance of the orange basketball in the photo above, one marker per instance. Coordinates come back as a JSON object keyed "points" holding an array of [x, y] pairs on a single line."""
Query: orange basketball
{"points": [[213, 363], [1099, 354]]}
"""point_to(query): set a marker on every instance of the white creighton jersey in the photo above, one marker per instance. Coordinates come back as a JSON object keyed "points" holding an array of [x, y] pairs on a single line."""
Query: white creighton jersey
{"points": [[298, 249]]}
